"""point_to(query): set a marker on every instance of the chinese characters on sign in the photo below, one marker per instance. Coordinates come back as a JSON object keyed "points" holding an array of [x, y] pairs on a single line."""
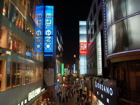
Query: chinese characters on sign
{"points": [[48, 38], [44, 33], [38, 42]]}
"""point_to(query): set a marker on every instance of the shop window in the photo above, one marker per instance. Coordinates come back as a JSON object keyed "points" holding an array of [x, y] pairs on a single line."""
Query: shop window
{"points": [[27, 74], [10, 42], [0, 73], [29, 51], [5, 8], [8, 74], [3, 36], [16, 76], [15, 45]]}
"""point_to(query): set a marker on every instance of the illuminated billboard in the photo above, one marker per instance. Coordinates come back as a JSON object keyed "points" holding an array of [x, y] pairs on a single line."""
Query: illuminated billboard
{"points": [[83, 48], [48, 30], [99, 54], [39, 19]]}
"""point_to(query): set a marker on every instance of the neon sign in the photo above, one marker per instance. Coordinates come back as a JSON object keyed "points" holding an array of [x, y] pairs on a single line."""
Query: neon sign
{"points": [[62, 69], [105, 90], [49, 32], [83, 48], [38, 42]]}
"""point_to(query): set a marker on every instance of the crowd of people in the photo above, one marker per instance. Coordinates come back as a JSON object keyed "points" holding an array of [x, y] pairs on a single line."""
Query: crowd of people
{"points": [[68, 94]]}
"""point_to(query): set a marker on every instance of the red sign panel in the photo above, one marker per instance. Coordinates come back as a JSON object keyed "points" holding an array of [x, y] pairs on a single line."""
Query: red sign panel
{"points": [[83, 48]]}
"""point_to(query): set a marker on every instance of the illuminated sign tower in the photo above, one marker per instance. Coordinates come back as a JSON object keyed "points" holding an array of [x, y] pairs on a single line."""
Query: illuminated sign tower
{"points": [[83, 47], [39, 20], [44, 30], [49, 31]]}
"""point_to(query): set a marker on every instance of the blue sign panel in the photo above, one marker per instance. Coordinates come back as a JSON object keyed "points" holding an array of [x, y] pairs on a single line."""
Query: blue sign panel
{"points": [[49, 32], [39, 19], [48, 44]]}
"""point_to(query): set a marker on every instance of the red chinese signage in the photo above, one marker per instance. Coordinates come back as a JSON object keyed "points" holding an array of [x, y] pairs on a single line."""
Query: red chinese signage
{"points": [[83, 48]]}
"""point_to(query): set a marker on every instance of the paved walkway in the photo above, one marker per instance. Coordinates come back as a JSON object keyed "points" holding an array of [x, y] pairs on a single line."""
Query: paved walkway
{"points": [[71, 101]]}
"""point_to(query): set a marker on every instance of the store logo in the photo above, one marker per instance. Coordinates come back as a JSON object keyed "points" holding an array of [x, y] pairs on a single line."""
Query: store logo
{"points": [[104, 88]]}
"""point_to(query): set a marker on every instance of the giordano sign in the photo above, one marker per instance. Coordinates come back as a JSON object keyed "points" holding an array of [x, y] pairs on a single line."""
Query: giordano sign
{"points": [[105, 90]]}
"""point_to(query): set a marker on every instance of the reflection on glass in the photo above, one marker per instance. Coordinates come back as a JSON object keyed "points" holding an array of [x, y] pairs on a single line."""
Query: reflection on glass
{"points": [[134, 32], [132, 6], [116, 9], [124, 35]]}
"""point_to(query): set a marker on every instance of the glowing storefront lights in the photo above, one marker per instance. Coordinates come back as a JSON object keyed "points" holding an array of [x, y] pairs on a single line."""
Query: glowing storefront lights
{"points": [[62, 69], [99, 54]]}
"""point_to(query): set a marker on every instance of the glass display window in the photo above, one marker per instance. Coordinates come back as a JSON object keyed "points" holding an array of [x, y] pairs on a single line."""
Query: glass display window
{"points": [[10, 42], [0, 73], [5, 8], [3, 36], [16, 75]]}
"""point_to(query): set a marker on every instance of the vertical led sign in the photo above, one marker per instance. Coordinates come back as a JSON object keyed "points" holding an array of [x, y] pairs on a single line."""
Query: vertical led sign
{"points": [[49, 31], [83, 47], [39, 19], [62, 69], [74, 68]]}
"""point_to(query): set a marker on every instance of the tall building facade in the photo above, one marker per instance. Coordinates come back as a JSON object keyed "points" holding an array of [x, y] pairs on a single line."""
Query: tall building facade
{"points": [[113, 57], [95, 39], [21, 69], [96, 54], [123, 41]]}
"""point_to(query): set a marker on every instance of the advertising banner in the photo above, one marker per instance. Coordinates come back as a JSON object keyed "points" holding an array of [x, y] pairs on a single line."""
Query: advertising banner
{"points": [[39, 19], [49, 31]]}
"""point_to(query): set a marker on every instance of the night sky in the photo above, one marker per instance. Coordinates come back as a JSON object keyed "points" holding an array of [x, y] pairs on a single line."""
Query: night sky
{"points": [[67, 15]]}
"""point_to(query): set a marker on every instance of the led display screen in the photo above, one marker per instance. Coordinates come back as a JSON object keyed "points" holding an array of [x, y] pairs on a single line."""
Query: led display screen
{"points": [[48, 32], [38, 42]]}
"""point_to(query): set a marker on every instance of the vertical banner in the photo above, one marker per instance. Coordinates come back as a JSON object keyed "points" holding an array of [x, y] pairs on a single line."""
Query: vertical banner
{"points": [[49, 30], [62, 69], [74, 68], [39, 19]]}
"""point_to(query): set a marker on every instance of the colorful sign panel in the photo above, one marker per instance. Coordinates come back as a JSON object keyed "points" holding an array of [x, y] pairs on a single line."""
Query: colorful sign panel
{"points": [[49, 32], [48, 44], [62, 69], [38, 42], [83, 48]]}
